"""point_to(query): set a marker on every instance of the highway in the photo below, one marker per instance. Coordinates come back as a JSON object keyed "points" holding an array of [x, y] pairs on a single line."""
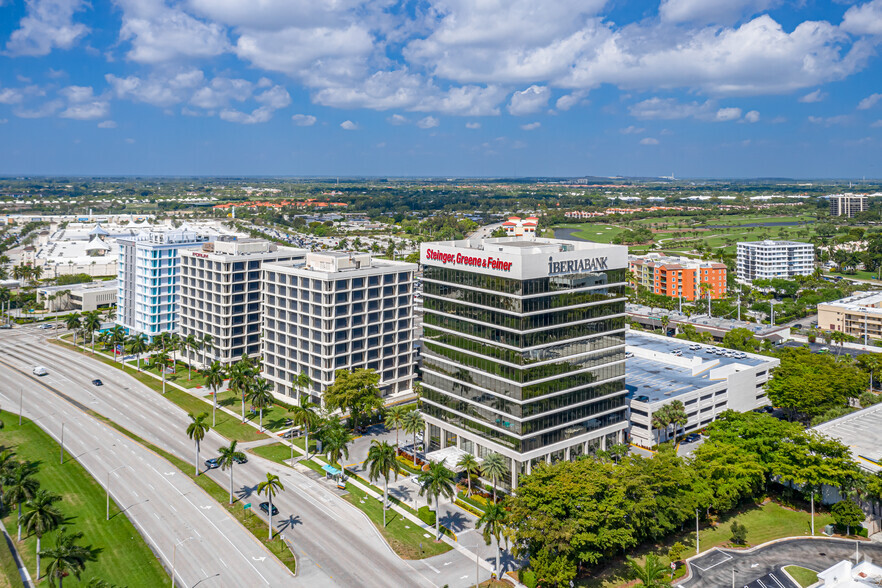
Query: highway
{"points": [[165, 506], [335, 543]]}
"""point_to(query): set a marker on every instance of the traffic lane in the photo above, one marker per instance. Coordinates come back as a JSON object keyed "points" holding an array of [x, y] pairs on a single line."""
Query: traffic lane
{"points": [[319, 538], [164, 508]]}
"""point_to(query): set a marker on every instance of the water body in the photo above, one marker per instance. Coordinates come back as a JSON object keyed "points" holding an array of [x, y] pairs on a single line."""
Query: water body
{"points": [[568, 234]]}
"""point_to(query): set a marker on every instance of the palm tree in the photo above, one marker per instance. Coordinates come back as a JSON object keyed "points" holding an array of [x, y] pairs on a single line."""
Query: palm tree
{"points": [[190, 343], [651, 573], [92, 323], [661, 420], [677, 415], [21, 486], [118, 338], [304, 415], [214, 379], [67, 557], [394, 419], [7, 466], [839, 337], [228, 457], [413, 423], [494, 521], [381, 459], [138, 344], [470, 466], [160, 361], [111, 313], [270, 487], [435, 482], [261, 396], [196, 431], [240, 374], [72, 322], [494, 467], [207, 342], [303, 383], [42, 517], [335, 441]]}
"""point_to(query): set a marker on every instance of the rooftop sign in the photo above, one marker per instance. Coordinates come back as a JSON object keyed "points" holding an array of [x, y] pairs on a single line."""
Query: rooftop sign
{"points": [[468, 260]]}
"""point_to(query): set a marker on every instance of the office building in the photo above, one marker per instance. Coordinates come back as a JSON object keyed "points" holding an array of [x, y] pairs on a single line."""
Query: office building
{"points": [[221, 296], [707, 380], [847, 205], [523, 349], [768, 260], [338, 311], [148, 276], [81, 297], [677, 277], [859, 315]]}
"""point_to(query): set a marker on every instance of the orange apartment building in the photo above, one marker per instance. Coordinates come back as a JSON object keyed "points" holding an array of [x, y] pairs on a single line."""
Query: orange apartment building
{"points": [[677, 276]]}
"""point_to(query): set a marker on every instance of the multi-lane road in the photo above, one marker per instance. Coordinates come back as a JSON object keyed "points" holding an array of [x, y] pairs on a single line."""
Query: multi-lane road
{"points": [[334, 542]]}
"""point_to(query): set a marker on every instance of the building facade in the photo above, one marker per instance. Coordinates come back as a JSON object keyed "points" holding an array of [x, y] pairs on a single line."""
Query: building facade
{"points": [[148, 279], [82, 297], [523, 349], [221, 296], [859, 315], [768, 260], [516, 226], [847, 205], [678, 276], [338, 311]]}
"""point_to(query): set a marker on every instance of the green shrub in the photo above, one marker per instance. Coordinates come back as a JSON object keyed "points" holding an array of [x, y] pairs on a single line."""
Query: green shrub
{"points": [[426, 515], [739, 533], [528, 578]]}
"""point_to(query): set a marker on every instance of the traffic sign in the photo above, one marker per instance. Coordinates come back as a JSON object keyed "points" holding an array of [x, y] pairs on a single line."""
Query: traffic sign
{"points": [[247, 506]]}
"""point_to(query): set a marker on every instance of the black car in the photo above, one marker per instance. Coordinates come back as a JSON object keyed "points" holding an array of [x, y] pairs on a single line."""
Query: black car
{"points": [[97, 383], [242, 459], [211, 463], [264, 506], [691, 438]]}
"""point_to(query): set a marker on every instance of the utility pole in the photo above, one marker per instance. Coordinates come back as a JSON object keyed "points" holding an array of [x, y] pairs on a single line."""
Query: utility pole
{"points": [[697, 547]]}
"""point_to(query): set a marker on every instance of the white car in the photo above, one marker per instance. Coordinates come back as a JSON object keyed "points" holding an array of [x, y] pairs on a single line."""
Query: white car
{"points": [[40, 371]]}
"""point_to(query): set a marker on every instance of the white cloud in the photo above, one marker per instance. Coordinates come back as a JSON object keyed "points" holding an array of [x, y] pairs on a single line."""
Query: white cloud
{"points": [[46, 25], [86, 110], [160, 33], [727, 114], [3, 121], [869, 102], [41, 111], [632, 130], [531, 126], [812, 97], [397, 119], [107, 124], [711, 11], [473, 125], [569, 100], [258, 115], [158, 90], [829, 121], [10, 96], [428, 122], [876, 124], [648, 141], [276, 98], [303, 120], [220, 91], [752, 116], [529, 101], [348, 125], [864, 19], [669, 109]]}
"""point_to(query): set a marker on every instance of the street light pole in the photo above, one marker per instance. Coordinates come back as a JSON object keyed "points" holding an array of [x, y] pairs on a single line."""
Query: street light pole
{"points": [[20, 405], [108, 489], [174, 556], [62, 443], [697, 547]]}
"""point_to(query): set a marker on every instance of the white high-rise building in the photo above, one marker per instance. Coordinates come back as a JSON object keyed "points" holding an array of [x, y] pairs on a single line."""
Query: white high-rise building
{"points": [[221, 296], [148, 275], [774, 259], [338, 311]]}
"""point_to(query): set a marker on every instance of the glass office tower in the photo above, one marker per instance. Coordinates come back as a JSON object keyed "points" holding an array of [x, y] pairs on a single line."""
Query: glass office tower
{"points": [[523, 348]]}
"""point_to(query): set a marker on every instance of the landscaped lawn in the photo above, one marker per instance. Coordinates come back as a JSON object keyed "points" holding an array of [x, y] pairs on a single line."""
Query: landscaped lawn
{"points": [[125, 558], [858, 275], [179, 377], [274, 417], [804, 576]]}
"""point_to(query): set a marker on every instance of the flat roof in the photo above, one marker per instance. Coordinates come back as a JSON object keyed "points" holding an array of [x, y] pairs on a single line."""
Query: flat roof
{"points": [[527, 245], [660, 380], [83, 286], [723, 324], [859, 301], [861, 431]]}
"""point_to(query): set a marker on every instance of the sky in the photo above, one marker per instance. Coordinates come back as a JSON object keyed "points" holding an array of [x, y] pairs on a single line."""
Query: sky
{"points": [[449, 88]]}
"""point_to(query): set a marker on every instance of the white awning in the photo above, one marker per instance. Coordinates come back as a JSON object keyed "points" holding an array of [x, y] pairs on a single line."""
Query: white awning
{"points": [[449, 456]]}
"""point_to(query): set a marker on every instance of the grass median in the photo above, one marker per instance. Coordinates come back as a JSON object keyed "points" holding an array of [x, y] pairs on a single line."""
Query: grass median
{"points": [[125, 557], [803, 576]]}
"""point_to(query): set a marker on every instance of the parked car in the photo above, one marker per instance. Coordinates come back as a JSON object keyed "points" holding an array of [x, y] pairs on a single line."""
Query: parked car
{"points": [[691, 438], [824, 350], [264, 506]]}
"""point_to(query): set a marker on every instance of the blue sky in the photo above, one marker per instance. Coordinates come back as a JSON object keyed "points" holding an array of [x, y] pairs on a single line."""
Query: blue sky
{"points": [[698, 88]]}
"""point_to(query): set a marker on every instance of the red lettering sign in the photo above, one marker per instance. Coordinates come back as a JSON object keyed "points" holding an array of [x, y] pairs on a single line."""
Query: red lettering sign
{"points": [[468, 260], [200, 255]]}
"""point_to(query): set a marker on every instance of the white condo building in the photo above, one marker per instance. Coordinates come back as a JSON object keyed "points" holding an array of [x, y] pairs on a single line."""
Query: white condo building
{"points": [[338, 311], [221, 296], [148, 273], [774, 259]]}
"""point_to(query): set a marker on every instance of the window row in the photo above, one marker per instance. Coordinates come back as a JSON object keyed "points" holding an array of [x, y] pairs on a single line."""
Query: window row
{"points": [[523, 323], [523, 287], [522, 305]]}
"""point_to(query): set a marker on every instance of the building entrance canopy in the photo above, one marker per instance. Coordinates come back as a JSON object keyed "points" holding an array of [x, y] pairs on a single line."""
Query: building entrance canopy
{"points": [[449, 456]]}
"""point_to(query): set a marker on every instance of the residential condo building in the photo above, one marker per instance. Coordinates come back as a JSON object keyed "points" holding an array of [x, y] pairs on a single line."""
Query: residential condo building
{"points": [[338, 311], [768, 260], [221, 296], [847, 205], [523, 349], [148, 280], [677, 277]]}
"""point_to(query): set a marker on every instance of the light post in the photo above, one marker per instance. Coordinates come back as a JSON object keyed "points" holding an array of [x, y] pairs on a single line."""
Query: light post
{"points": [[174, 556], [697, 547], [108, 488], [477, 561], [21, 405], [813, 512], [62, 443]]}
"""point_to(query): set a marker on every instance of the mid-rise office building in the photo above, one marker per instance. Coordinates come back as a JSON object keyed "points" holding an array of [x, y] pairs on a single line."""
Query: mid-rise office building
{"points": [[768, 260], [847, 205], [678, 276], [148, 278], [221, 296], [338, 311], [523, 349], [858, 315]]}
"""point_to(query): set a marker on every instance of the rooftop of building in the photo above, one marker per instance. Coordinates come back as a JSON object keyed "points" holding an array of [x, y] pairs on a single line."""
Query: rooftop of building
{"points": [[83, 287], [859, 301], [772, 243], [674, 260], [847, 575], [861, 431], [656, 373], [718, 323], [333, 262], [527, 245]]}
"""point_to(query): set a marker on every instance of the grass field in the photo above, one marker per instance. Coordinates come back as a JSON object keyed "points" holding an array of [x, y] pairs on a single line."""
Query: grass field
{"points": [[125, 558], [804, 576], [274, 416], [858, 275], [764, 523], [180, 376]]}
